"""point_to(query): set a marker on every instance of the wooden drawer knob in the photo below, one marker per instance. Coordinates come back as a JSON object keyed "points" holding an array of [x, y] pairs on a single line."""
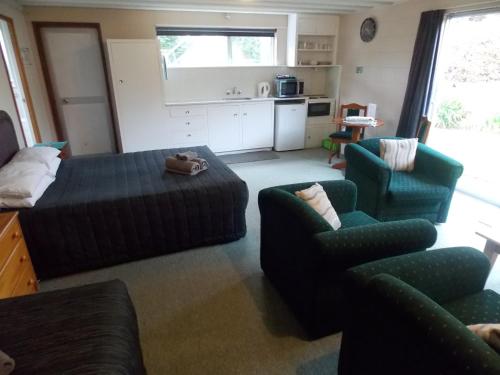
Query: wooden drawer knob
{"points": [[31, 282], [24, 258], [16, 235]]}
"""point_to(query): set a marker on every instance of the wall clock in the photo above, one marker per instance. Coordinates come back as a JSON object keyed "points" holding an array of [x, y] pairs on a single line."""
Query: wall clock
{"points": [[368, 30]]}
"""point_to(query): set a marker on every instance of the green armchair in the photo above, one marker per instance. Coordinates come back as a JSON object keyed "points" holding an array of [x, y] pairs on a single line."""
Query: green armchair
{"points": [[304, 258], [387, 195], [408, 315]]}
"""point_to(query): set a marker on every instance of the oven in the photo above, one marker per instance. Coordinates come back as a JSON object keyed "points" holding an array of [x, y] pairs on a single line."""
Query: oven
{"points": [[320, 110]]}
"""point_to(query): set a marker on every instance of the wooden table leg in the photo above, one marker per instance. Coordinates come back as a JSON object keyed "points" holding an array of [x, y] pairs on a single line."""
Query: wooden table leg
{"points": [[491, 250]]}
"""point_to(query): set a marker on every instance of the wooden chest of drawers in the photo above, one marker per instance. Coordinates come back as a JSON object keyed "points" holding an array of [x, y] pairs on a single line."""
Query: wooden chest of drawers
{"points": [[17, 276]]}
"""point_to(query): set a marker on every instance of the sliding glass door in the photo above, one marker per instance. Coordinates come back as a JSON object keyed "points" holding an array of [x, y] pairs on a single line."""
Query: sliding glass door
{"points": [[466, 101]]}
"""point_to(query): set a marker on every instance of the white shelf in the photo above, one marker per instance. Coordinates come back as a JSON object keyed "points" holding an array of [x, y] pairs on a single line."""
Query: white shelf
{"points": [[314, 50], [314, 66]]}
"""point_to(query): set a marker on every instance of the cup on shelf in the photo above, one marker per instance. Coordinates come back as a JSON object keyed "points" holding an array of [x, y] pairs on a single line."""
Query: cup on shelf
{"points": [[302, 45]]}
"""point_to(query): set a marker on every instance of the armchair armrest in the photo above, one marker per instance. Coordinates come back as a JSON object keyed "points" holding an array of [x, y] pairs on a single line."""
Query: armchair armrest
{"points": [[342, 249], [437, 166], [443, 275], [369, 166]]}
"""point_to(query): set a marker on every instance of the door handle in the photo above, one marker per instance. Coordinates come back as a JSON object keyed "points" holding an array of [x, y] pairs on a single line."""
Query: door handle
{"points": [[65, 101]]}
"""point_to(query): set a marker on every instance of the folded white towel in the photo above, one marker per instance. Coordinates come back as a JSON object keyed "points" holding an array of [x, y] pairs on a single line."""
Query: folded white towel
{"points": [[7, 364], [359, 119]]}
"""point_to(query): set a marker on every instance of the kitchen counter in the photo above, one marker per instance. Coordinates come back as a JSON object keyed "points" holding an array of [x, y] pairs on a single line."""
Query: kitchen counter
{"points": [[228, 101]]}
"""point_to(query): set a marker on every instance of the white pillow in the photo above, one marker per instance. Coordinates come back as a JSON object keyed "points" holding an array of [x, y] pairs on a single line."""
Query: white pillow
{"points": [[8, 202], [20, 179], [316, 197], [44, 155], [399, 154], [54, 166]]}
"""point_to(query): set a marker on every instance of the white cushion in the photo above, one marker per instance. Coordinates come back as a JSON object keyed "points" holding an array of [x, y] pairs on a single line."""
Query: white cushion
{"points": [[316, 197], [54, 166], [44, 155], [21, 179], [8, 202], [399, 154]]}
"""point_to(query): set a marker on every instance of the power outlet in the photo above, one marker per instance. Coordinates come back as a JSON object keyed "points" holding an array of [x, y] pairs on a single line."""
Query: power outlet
{"points": [[359, 70]]}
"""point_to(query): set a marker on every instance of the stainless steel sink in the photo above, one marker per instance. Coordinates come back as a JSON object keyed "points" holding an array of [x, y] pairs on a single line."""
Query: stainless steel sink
{"points": [[242, 98]]}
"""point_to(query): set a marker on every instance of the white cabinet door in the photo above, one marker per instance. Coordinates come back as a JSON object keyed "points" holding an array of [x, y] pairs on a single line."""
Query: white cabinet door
{"points": [[327, 25], [257, 120], [306, 25], [318, 25], [316, 134], [137, 86], [224, 128]]}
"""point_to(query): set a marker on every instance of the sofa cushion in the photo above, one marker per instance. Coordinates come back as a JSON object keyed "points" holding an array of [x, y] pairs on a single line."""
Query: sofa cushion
{"points": [[84, 330], [413, 187], [482, 307], [316, 197], [399, 154], [345, 134], [356, 219]]}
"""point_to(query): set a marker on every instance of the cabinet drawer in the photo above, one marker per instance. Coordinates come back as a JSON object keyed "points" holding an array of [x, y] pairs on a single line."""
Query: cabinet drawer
{"points": [[195, 137], [18, 262], [27, 283], [188, 111], [8, 241], [188, 123]]}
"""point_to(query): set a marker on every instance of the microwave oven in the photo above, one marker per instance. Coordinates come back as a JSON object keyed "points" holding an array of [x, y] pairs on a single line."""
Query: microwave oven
{"points": [[288, 87]]}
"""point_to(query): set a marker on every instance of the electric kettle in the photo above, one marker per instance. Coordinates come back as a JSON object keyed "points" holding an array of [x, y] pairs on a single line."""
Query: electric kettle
{"points": [[263, 89]]}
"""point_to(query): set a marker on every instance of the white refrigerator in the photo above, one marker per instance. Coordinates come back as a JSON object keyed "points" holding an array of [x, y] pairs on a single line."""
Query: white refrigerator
{"points": [[290, 125]]}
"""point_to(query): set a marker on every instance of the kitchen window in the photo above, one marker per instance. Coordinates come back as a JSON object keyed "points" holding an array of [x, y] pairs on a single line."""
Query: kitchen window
{"points": [[206, 47]]}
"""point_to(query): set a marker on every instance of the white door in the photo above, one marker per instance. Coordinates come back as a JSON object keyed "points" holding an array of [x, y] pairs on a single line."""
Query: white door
{"points": [[224, 128], [137, 85], [75, 64], [257, 121]]}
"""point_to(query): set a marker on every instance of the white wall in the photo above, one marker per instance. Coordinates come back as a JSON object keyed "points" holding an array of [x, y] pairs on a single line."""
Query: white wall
{"points": [[36, 86], [386, 60], [211, 83], [187, 83]]}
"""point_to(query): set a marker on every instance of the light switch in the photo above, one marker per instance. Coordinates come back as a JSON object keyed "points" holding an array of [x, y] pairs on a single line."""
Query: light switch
{"points": [[359, 70]]}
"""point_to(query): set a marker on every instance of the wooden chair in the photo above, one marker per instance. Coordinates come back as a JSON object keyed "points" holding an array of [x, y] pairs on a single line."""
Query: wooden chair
{"points": [[423, 129], [345, 136]]}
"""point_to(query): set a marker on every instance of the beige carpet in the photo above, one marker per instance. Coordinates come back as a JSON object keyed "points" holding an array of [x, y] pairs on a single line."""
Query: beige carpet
{"points": [[211, 311]]}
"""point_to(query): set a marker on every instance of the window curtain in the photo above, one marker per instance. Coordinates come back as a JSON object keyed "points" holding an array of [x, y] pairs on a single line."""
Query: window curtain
{"points": [[423, 66]]}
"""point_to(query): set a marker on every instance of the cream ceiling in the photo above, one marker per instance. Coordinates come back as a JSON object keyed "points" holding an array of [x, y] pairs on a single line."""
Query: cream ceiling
{"points": [[271, 6]]}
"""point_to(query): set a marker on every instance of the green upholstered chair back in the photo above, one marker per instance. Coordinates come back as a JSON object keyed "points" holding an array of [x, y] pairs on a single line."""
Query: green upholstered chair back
{"points": [[415, 332]]}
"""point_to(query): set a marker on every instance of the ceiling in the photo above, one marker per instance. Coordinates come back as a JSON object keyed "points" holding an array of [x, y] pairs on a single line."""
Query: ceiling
{"points": [[263, 6]]}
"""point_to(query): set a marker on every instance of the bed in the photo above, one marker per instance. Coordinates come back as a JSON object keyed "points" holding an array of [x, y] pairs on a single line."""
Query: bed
{"points": [[106, 210]]}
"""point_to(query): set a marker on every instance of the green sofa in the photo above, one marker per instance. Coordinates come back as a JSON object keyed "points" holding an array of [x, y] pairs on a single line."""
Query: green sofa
{"points": [[387, 195], [304, 258], [408, 315]]}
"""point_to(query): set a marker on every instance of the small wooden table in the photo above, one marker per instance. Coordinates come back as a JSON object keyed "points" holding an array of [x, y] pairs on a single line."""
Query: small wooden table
{"points": [[492, 247], [356, 133]]}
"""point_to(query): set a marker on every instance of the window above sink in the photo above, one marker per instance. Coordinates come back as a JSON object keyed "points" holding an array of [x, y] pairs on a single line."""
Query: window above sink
{"points": [[216, 47]]}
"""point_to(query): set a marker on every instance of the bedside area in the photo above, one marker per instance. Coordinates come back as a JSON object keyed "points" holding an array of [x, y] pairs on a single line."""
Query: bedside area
{"points": [[17, 276]]}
